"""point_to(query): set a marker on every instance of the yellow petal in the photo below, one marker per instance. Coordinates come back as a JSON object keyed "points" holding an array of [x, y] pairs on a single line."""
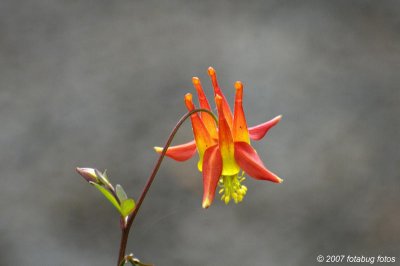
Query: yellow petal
{"points": [[225, 141]]}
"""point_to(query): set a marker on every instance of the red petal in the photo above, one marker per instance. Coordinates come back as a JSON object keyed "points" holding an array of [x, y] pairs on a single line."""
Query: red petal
{"points": [[212, 169], [200, 132], [250, 162], [181, 152], [217, 91], [240, 131], [207, 118], [259, 131]]}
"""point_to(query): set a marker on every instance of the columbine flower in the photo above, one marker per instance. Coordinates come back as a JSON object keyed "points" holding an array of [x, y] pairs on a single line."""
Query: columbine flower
{"points": [[224, 149]]}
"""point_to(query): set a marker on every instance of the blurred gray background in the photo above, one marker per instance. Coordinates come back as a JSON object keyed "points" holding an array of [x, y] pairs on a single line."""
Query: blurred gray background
{"points": [[99, 83]]}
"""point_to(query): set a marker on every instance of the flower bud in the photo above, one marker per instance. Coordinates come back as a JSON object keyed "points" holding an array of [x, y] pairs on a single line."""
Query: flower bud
{"points": [[89, 174]]}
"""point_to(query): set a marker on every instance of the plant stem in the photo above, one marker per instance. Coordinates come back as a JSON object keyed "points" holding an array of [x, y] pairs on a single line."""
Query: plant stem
{"points": [[125, 227], [122, 244]]}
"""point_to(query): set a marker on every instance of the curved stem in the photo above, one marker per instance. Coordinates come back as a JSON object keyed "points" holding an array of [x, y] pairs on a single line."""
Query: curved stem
{"points": [[126, 226]]}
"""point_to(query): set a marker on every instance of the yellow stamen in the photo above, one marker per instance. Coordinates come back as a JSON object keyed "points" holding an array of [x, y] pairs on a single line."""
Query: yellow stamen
{"points": [[231, 188]]}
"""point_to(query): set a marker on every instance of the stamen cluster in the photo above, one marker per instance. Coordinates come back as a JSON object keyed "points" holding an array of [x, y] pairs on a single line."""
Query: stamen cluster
{"points": [[232, 188]]}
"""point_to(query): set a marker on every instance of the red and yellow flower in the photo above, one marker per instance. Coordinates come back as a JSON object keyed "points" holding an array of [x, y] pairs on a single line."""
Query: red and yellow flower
{"points": [[224, 149]]}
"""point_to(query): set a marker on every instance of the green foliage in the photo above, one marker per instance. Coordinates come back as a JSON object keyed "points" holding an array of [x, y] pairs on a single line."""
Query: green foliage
{"points": [[108, 196], [120, 193], [127, 207], [121, 202], [103, 178]]}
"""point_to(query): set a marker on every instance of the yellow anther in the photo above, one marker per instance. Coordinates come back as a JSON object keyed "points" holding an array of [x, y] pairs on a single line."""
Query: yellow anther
{"points": [[227, 199], [240, 198]]}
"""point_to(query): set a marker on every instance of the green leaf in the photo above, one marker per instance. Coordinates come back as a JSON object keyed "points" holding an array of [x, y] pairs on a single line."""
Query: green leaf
{"points": [[120, 193], [127, 206], [108, 196]]}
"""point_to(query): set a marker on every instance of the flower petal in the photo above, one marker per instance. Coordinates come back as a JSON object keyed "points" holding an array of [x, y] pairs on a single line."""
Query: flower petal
{"points": [[200, 132], [250, 162], [240, 131], [212, 169], [181, 152], [207, 118], [259, 131], [225, 142], [217, 91]]}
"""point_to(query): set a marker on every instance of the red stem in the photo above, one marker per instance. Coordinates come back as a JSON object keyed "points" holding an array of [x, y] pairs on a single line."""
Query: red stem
{"points": [[125, 227]]}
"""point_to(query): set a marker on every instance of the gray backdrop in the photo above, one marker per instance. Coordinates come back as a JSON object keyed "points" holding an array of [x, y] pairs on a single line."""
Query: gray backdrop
{"points": [[99, 83]]}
